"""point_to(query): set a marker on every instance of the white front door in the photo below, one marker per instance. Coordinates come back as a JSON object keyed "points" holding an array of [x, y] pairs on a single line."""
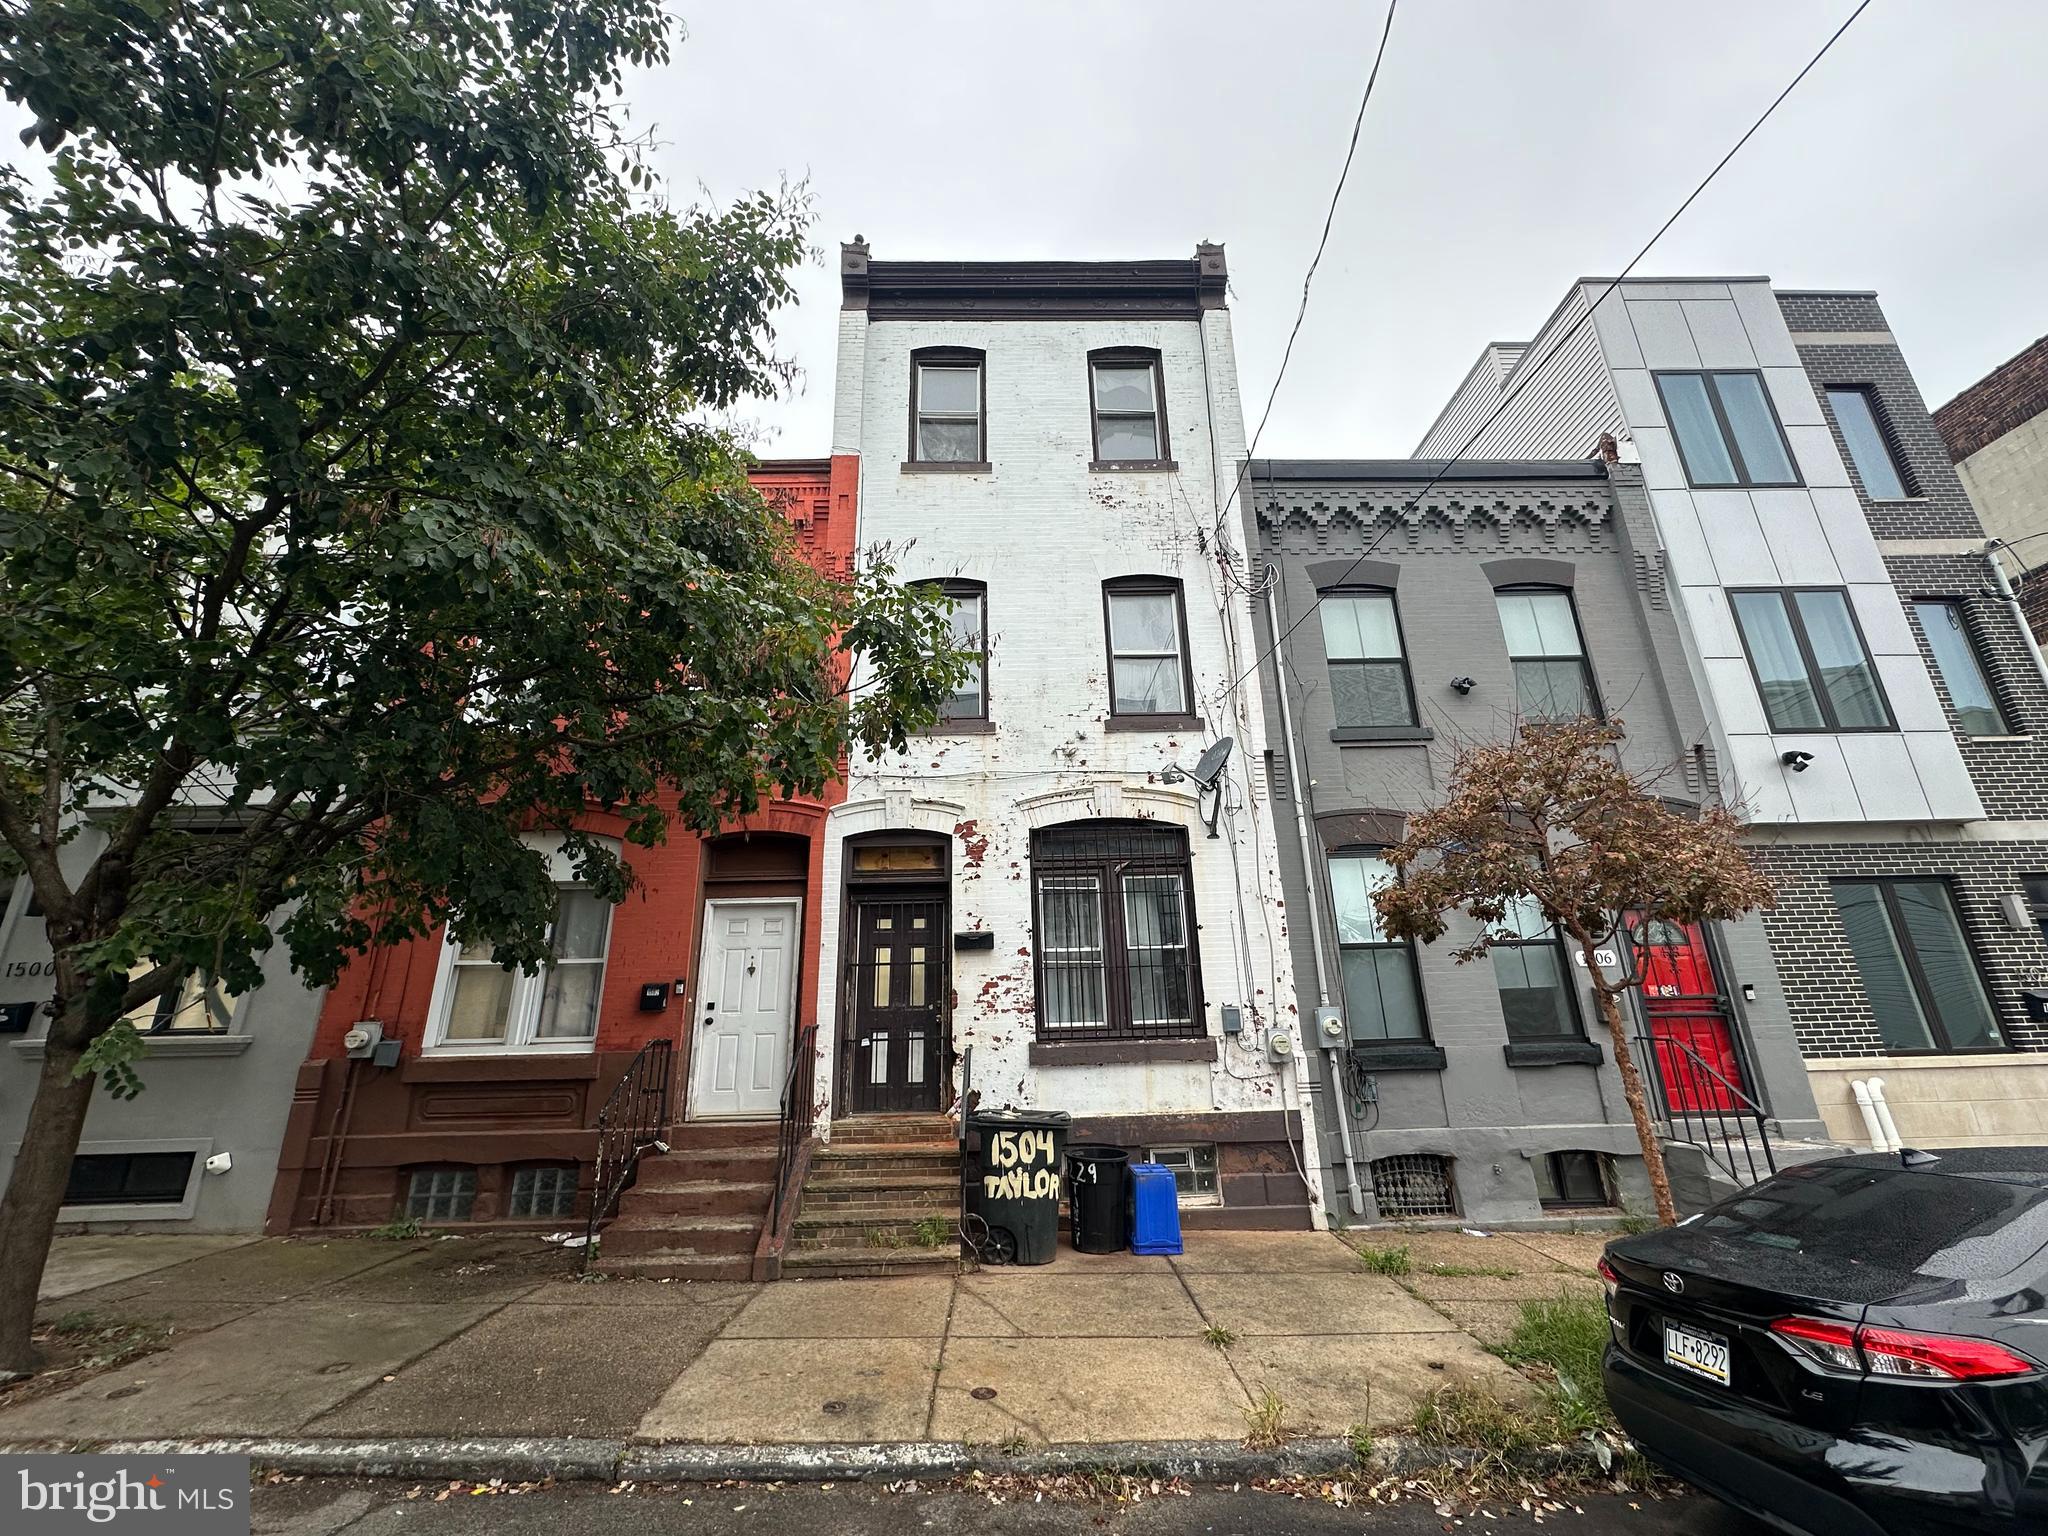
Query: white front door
{"points": [[743, 1014]]}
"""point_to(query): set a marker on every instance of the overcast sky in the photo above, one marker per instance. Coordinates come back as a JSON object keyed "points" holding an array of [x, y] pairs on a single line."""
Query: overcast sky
{"points": [[1512, 145]]}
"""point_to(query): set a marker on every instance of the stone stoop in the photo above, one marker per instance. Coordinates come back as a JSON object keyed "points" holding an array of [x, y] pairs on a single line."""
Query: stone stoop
{"points": [[695, 1211], [876, 1196]]}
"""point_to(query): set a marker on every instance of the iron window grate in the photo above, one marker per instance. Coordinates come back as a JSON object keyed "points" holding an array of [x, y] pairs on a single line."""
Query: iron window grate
{"points": [[1414, 1185], [542, 1192], [1114, 932], [441, 1194]]}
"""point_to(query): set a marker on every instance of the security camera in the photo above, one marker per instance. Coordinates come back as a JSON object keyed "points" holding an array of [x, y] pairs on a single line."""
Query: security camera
{"points": [[1796, 761], [1463, 684], [220, 1162]]}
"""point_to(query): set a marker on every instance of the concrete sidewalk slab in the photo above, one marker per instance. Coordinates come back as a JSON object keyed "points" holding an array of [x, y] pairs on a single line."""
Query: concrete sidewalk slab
{"points": [[902, 1307], [260, 1375], [616, 1292], [1330, 1384], [1573, 1250], [86, 1263], [1456, 1248], [1492, 1323], [539, 1370], [1250, 1305], [1029, 1305], [270, 1270], [755, 1390], [456, 1269], [1266, 1253], [1531, 1286], [1104, 1389]]}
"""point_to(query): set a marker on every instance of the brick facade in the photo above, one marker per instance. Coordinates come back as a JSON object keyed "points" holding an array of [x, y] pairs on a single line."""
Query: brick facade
{"points": [[2015, 391]]}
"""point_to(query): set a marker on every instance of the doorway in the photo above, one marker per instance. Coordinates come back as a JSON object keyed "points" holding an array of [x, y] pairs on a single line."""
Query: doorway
{"points": [[746, 997], [1689, 1027], [900, 977]]}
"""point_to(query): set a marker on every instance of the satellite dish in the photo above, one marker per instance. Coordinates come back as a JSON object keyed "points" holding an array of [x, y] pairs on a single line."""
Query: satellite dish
{"points": [[1209, 767]]}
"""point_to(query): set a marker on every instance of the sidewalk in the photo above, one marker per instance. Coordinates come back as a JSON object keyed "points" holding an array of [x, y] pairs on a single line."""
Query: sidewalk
{"points": [[466, 1338]]}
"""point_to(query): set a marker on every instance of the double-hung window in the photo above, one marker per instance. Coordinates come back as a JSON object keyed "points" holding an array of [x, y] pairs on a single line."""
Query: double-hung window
{"points": [[481, 1005], [1727, 432], [1807, 653], [1148, 673], [1382, 998], [1945, 623], [968, 601], [1125, 397], [195, 1006], [1369, 683], [1919, 976], [1867, 434], [1534, 981], [948, 406], [1115, 933], [1552, 680]]}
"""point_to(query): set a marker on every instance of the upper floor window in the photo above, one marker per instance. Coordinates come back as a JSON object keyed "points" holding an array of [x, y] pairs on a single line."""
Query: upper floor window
{"points": [[479, 1004], [1552, 680], [1533, 980], [1868, 434], [1919, 976], [194, 1006], [1945, 624], [1382, 998], [1809, 660], [948, 406], [969, 604], [1148, 672], [1126, 398], [1726, 430], [1115, 944], [1369, 684]]}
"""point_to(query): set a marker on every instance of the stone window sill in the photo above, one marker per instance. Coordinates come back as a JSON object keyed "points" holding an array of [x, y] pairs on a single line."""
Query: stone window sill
{"points": [[1995, 741], [1405, 1056], [928, 467], [1108, 1053], [1355, 734], [1554, 1053], [1156, 724], [162, 1045], [1133, 466], [959, 728]]}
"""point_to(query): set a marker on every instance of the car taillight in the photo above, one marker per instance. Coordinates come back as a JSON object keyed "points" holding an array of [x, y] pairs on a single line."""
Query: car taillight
{"points": [[1938, 1357], [1608, 1277], [1830, 1344], [1897, 1353]]}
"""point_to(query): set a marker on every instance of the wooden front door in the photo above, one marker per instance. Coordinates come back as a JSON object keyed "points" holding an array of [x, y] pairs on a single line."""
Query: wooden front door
{"points": [[1688, 1017], [900, 980]]}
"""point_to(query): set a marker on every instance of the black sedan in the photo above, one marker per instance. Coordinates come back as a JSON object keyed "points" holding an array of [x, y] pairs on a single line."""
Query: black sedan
{"points": [[1854, 1347]]}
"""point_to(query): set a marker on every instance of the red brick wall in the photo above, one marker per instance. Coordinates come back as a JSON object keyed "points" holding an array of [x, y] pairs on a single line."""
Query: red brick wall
{"points": [[2010, 394]]}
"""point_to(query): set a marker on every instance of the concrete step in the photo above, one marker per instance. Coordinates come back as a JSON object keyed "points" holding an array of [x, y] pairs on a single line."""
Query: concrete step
{"points": [[633, 1232], [881, 1157], [740, 1165], [676, 1264], [839, 1226], [694, 1135], [864, 1185], [871, 1128], [846, 1263], [700, 1197]]}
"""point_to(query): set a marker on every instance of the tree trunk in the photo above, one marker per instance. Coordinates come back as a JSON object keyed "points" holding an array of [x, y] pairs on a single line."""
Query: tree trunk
{"points": [[1638, 1102], [35, 1193]]}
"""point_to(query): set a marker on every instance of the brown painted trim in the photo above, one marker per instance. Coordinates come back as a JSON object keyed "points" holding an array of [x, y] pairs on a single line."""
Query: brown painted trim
{"points": [[1033, 290], [950, 357], [509, 1068], [1215, 1126], [1097, 1053], [975, 726], [1157, 724], [1247, 1218], [1111, 356]]}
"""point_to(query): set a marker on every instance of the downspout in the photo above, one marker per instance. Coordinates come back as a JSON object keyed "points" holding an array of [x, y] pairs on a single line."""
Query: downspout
{"points": [[2003, 584], [1871, 1126], [1341, 1110], [1884, 1115]]}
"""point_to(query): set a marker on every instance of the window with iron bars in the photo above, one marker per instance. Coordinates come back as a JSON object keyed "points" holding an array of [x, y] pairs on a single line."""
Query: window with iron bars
{"points": [[1414, 1185], [1115, 932]]}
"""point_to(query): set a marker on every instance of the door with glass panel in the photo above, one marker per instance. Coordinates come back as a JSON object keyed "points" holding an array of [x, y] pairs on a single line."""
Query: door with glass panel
{"points": [[1690, 1030], [745, 1004], [900, 979]]}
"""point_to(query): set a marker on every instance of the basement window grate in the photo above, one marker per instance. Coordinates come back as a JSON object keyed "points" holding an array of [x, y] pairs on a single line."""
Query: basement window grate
{"points": [[1414, 1185]]}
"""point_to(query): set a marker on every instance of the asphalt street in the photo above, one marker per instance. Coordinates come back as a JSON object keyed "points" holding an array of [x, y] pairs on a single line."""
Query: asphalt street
{"points": [[335, 1507]]}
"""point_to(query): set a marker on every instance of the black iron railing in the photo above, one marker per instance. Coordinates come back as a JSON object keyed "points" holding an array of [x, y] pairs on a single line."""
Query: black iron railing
{"points": [[1701, 1107], [799, 1119], [634, 1120]]}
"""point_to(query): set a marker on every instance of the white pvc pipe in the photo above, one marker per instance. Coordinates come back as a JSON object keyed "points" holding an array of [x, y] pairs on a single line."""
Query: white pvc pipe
{"points": [[1872, 1126], [1884, 1115]]}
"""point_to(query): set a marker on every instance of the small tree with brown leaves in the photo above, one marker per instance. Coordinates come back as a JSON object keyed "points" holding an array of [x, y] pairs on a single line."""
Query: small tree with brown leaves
{"points": [[1552, 818]]}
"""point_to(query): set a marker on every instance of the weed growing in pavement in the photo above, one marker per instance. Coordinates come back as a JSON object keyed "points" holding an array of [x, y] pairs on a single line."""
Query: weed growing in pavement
{"points": [[1265, 1422], [399, 1229], [1219, 1335], [932, 1231], [1386, 1261], [1632, 1221], [1469, 1271], [884, 1237], [1564, 1337], [1361, 1444]]}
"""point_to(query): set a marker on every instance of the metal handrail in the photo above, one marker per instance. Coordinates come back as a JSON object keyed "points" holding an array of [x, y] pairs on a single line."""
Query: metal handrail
{"points": [[1718, 1130], [799, 1117], [634, 1120]]}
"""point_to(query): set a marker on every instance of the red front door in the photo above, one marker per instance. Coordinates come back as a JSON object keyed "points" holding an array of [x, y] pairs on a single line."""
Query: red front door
{"points": [[1689, 1027]]}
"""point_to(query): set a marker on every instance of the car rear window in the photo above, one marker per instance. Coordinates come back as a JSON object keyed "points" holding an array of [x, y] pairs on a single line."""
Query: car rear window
{"points": [[1935, 1224]]}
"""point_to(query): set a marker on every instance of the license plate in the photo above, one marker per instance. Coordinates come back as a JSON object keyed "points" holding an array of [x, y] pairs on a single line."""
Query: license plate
{"points": [[1700, 1354]]}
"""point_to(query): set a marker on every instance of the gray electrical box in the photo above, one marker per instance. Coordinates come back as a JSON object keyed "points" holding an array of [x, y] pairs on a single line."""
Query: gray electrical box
{"points": [[1233, 1019], [1331, 1034]]}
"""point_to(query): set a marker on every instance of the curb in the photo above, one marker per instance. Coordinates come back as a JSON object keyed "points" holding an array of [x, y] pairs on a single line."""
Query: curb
{"points": [[611, 1461]]}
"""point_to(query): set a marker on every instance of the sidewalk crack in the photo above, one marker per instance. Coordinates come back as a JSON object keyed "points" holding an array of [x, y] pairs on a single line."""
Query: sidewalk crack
{"points": [[931, 1408]]}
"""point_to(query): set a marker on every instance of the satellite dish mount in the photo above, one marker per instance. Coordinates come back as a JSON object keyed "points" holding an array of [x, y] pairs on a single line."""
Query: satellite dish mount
{"points": [[1206, 776]]}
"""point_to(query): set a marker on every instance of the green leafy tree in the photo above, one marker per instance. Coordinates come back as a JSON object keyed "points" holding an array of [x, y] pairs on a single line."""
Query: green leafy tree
{"points": [[358, 506], [1552, 817]]}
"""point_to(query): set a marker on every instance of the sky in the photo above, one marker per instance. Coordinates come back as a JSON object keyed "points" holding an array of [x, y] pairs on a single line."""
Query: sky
{"points": [[1511, 146]]}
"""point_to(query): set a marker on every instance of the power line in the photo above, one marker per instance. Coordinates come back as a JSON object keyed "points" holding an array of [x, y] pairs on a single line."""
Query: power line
{"points": [[1444, 467]]}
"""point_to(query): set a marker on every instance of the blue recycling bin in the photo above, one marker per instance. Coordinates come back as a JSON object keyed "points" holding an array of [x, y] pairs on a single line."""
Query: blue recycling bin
{"points": [[1155, 1210]]}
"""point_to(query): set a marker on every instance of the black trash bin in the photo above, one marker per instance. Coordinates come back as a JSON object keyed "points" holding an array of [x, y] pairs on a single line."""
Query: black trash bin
{"points": [[1013, 1188], [1098, 1198]]}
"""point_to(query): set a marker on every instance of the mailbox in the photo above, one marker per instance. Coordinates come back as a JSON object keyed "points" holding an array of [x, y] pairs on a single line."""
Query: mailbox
{"points": [[654, 997]]}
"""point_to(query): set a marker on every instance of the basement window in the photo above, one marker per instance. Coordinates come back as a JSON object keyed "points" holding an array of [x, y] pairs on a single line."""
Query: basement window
{"points": [[1413, 1186], [1194, 1172], [441, 1194], [129, 1178], [542, 1193], [1568, 1179]]}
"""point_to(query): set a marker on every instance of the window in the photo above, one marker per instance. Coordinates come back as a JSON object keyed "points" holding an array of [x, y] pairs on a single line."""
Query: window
{"points": [[440, 1194], [1572, 1178], [1115, 945], [1535, 984], [1382, 998], [1413, 1186], [480, 1004], [542, 1193], [1124, 394], [969, 601], [1369, 683], [1552, 680], [129, 1178], [196, 1006], [1147, 647], [1809, 662], [2036, 887], [1726, 430], [947, 407], [1918, 973], [1943, 622], [1194, 1172], [1867, 432]]}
